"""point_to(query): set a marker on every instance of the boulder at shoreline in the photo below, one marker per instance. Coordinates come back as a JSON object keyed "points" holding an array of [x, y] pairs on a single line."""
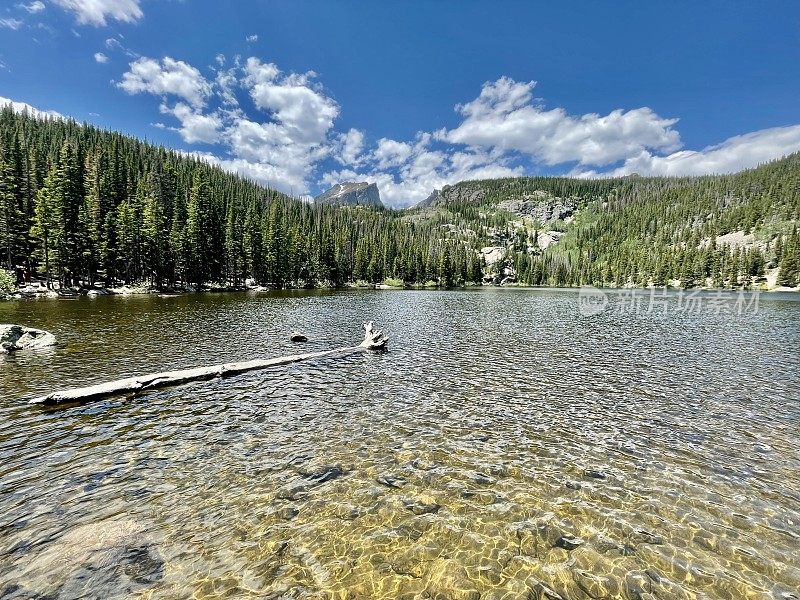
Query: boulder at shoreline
{"points": [[17, 337]]}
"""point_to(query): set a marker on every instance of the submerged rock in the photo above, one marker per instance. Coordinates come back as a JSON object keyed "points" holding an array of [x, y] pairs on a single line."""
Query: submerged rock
{"points": [[114, 555], [391, 481], [448, 580], [569, 543], [17, 337], [594, 473], [322, 473], [596, 586], [421, 505]]}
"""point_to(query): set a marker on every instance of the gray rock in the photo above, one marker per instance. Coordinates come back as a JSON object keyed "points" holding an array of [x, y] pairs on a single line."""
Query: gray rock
{"points": [[540, 206], [594, 473], [351, 194], [322, 473], [17, 337], [111, 556], [568, 542], [544, 592], [421, 505], [596, 586], [430, 200], [448, 580], [391, 481], [288, 512]]}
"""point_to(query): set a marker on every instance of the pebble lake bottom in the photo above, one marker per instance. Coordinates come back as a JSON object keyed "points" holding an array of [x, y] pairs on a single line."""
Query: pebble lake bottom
{"points": [[507, 446]]}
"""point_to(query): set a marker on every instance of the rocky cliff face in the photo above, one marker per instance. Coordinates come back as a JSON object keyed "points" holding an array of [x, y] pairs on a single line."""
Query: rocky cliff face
{"points": [[539, 205], [351, 194], [463, 193]]}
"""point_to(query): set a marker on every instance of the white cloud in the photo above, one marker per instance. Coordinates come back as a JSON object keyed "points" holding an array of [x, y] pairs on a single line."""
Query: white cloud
{"points": [[252, 38], [167, 77], [350, 146], [10, 23], [734, 154], [303, 111], [391, 153], [407, 173], [96, 12], [100, 57], [24, 106], [34, 7], [282, 137], [280, 148], [226, 87], [195, 127], [116, 45], [505, 116]]}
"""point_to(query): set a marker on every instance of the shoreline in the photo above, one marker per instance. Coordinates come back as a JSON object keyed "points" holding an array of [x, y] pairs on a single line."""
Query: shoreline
{"points": [[30, 293]]}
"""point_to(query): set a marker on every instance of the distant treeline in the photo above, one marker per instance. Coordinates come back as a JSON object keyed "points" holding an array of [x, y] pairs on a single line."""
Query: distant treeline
{"points": [[641, 231], [80, 206]]}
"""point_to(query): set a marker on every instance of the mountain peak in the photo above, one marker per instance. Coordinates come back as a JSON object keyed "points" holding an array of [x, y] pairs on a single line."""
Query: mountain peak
{"points": [[351, 193]]}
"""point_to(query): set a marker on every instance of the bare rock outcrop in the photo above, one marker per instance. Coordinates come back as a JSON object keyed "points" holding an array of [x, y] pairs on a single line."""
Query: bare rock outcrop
{"points": [[17, 337]]}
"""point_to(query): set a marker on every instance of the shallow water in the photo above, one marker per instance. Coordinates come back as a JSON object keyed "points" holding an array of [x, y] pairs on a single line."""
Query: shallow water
{"points": [[506, 447]]}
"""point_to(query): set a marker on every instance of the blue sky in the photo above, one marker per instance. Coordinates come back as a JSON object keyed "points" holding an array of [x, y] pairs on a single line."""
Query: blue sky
{"points": [[415, 95]]}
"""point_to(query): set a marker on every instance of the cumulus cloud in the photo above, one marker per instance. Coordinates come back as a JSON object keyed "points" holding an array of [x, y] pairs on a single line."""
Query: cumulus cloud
{"points": [[252, 38], [195, 126], [407, 172], [100, 57], [166, 77], [391, 153], [505, 116], [97, 12], [279, 145], [350, 147], [303, 111], [34, 7], [499, 130], [279, 128], [734, 154]]}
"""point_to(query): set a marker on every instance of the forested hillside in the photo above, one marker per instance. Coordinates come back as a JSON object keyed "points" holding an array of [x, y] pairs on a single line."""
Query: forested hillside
{"points": [[80, 206], [725, 231]]}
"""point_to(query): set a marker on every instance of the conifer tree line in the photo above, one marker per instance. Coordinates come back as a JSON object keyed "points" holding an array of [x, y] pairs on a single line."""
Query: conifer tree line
{"points": [[84, 206], [647, 231], [80, 206]]}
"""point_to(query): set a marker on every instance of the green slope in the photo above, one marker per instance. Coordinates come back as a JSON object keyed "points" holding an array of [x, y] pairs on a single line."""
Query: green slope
{"points": [[727, 230], [83, 206]]}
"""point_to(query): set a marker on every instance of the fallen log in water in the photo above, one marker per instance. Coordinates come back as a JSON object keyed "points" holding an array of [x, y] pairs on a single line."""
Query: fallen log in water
{"points": [[373, 340]]}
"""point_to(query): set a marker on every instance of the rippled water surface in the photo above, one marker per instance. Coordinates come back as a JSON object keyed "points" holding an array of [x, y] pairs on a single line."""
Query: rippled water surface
{"points": [[506, 447]]}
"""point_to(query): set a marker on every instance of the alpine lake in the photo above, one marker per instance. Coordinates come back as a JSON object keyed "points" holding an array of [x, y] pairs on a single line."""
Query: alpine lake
{"points": [[508, 446]]}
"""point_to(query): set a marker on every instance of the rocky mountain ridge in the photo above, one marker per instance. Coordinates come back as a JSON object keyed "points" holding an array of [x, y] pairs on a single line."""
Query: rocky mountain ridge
{"points": [[351, 194]]}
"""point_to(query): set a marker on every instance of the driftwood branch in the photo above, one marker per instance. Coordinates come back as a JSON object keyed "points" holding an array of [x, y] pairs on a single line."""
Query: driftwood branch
{"points": [[373, 340]]}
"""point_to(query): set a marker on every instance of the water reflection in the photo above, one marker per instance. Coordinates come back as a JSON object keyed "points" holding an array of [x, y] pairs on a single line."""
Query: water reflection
{"points": [[506, 447]]}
